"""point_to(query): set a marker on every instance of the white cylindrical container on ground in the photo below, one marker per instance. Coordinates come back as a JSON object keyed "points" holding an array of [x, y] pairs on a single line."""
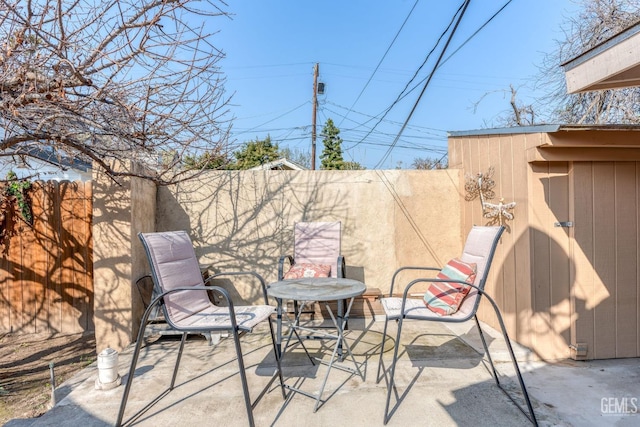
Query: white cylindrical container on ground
{"points": [[108, 366]]}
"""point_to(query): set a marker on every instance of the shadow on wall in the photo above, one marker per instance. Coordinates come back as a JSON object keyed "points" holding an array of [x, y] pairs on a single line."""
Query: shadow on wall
{"points": [[47, 266], [544, 313], [243, 221], [112, 262], [551, 286]]}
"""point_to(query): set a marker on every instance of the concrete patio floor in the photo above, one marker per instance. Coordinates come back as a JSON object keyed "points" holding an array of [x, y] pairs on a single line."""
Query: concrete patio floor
{"points": [[441, 377]]}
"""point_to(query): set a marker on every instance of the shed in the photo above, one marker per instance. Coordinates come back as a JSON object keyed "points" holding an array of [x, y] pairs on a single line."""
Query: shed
{"points": [[566, 274]]}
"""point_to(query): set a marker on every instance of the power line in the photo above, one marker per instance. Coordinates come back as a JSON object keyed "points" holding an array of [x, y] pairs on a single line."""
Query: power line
{"points": [[403, 94], [380, 62], [443, 62], [475, 33], [274, 119], [415, 105], [393, 122], [415, 74]]}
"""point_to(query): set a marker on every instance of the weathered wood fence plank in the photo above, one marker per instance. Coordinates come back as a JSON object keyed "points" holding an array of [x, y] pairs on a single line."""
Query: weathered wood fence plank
{"points": [[46, 271]]}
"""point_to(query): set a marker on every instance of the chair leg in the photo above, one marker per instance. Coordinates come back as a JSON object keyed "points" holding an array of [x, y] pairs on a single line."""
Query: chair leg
{"points": [[531, 416], [277, 356], [243, 377], [175, 369], [384, 335], [134, 361], [127, 387], [486, 351], [392, 372]]}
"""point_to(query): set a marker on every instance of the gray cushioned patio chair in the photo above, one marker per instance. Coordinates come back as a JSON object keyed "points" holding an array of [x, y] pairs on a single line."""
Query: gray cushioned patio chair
{"points": [[317, 243], [188, 309], [479, 248]]}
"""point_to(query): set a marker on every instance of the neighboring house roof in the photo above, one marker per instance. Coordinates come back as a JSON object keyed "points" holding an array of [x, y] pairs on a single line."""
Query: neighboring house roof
{"points": [[614, 63], [43, 163], [280, 164]]}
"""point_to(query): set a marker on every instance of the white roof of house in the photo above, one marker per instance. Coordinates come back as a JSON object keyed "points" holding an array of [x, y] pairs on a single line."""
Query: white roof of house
{"points": [[43, 165], [280, 164]]}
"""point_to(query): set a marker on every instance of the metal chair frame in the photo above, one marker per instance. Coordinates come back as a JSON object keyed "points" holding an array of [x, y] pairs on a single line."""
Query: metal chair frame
{"points": [[472, 314], [233, 327]]}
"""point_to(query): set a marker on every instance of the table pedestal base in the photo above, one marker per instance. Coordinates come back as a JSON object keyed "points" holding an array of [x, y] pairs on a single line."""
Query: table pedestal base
{"points": [[336, 355]]}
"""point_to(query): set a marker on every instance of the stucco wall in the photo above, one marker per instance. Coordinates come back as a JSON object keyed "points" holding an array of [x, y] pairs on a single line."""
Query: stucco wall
{"points": [[119, 212], [244, 220]]}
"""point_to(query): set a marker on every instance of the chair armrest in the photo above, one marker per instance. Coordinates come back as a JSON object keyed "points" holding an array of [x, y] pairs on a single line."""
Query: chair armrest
{"points": [[147, 291], [401, 269], [281, 265], [146, 294], [263, 283], [406, 292]]}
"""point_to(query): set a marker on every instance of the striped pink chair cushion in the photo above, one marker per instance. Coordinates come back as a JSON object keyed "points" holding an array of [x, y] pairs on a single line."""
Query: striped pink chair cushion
{"points": [[444, 298]]}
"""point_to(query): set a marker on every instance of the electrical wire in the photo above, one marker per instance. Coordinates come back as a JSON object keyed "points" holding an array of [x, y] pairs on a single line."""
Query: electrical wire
{"points": [[405, 92], [393, 122], [475, 33], [452, 54], [380, 62], [415, 74], [274, 119], [415, 105]]}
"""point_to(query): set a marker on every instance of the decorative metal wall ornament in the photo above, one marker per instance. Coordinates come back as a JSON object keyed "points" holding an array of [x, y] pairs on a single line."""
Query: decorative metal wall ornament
{"points": [[498, 213], [481, 186]]}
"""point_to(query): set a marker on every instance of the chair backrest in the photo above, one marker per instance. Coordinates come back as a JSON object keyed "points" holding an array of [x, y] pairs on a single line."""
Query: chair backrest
{"points": [[479, 248], [174, 264], [317, 243]]}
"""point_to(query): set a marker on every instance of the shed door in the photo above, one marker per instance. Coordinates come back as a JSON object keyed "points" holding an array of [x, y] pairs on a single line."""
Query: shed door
{"points": [[604, 257], [551, 258]]}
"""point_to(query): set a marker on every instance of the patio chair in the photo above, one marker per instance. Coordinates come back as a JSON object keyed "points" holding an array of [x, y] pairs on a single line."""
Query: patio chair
{"points": [[316, 253], [187, 308], [446, 293]]}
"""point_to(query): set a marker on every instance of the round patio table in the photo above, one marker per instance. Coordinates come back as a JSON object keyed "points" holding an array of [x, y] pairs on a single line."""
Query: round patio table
{"points": [[323, 289]]}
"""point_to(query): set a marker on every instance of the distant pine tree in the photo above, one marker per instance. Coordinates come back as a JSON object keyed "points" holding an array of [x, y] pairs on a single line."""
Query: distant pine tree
{"points": [[331, 157]]}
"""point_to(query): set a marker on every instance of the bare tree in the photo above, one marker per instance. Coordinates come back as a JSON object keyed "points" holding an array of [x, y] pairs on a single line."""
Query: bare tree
{"points": [[598, 21], [523, 115], [111, 80], [430, 163], [518, 114]]}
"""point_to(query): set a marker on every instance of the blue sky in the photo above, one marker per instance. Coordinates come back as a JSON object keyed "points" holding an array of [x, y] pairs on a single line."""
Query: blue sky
{"points": [[271, 47]]}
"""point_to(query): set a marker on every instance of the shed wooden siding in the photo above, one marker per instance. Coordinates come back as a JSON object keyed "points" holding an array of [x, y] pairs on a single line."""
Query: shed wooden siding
{"points": [[46, 282], [560, 287], [606, 294], [550, 259], [532, 302]]}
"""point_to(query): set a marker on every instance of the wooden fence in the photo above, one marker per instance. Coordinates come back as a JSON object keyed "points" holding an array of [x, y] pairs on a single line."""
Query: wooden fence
{"points": [[46, 269]]}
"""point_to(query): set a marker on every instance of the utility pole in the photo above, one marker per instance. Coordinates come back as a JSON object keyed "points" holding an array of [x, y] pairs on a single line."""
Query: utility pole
{"points": [[313, 117]]}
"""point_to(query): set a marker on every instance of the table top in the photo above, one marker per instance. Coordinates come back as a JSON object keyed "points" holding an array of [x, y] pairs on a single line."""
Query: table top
{"points": [[316, 288]]}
